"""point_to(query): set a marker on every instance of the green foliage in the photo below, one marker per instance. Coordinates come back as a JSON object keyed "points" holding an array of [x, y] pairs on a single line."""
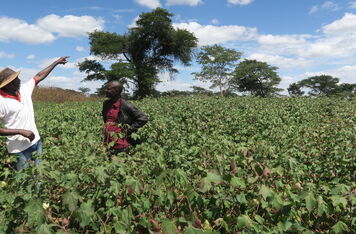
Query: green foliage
{"points": [[257, 78], [320, 85], [346, 90], [93, 69], [218, 64], [200, 90], [323, 85], [84, 90], [207, 165], [294, 90], [153, 45]]}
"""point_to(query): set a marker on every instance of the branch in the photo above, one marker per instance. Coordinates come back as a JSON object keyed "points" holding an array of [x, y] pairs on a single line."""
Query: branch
{"points": [[126, 57]]}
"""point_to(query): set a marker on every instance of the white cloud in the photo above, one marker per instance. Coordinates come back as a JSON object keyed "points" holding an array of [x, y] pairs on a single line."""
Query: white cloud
{"points": [[31, 56], [25, 73], [346, 24], [184, 2], [290, 45], [6, 55], [338, 40], [71, 81], [282, 62], [215, 21], [46, 62], [64, 82], [12, 29], [313, 9], [79, 48], [352, 5], [270, 39], [329, 5], [149, 3], [210, 34], [118, 18], [181, 85], [285, 82], [133, 24], [346, 73], [69, 25], [59, 79], [240, 2]]}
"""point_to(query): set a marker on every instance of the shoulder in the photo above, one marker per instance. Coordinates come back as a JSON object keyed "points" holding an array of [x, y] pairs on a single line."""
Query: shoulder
{"points": [[125, 104], [30, 84]]}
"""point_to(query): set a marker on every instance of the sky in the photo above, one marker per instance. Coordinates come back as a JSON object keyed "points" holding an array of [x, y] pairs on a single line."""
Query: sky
{"points": [[302, 38]]}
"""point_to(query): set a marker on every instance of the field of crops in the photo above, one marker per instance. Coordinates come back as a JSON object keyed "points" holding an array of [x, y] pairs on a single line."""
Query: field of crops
{"points": [[207, 165]]}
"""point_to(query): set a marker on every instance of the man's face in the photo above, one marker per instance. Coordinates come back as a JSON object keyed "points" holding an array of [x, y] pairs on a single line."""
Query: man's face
{"points": [[111, 90]]}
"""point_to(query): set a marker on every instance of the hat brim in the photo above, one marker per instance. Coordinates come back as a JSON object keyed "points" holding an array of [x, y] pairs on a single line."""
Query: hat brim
{"points": [[9, 79]]}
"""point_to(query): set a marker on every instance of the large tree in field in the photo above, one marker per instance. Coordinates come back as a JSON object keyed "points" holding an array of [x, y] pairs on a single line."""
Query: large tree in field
{"points": [[320, 85], [257, 78], [218, 64], [153, 45]]}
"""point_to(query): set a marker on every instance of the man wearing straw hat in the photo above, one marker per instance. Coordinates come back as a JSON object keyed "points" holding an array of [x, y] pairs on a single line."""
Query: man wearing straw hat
{"points": [[17, 115]]}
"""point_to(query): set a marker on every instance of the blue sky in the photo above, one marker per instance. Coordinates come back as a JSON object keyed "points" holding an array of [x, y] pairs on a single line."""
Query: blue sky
{"points": [[301, 37]]}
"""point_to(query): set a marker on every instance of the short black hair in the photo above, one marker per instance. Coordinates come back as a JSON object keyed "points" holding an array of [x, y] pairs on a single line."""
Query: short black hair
{"points": [[116, 83]]}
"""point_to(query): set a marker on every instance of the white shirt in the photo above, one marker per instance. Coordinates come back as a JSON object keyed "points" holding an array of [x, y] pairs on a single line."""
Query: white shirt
{"points": [[19, 115]]}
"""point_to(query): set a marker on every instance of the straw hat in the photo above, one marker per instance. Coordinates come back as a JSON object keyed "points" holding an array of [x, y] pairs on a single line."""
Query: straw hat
{"points": [[6, 76]]}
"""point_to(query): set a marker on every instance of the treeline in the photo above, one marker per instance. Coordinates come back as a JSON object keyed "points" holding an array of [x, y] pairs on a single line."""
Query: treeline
{"points": [[154, 45]]}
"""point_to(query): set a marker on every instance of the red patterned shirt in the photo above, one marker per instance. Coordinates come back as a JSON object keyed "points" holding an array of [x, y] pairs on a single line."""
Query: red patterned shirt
{"points": [[112, 129]]}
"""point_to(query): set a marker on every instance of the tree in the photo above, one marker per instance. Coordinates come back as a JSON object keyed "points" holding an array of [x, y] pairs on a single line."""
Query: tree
{"points": [[217, 66], [346, 90], [84, 90], [153, 45], [200, 90], [320, 85], [257, 78], [294, 90]]}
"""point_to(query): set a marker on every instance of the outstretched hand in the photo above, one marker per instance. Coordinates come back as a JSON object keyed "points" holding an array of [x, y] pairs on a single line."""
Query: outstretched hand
{"points": [[62, 60]]}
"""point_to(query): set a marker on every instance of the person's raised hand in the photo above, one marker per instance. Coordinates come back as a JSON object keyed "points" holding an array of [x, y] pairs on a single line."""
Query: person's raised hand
{"points": [[62, 60]]}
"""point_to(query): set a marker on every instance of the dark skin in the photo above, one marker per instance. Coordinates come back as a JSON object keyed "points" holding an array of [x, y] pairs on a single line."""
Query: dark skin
{"points": [[13, 88], [113, 90]]}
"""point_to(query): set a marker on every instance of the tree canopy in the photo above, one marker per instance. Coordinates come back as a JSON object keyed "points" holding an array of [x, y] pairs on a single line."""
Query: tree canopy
{"points": [[294, 90], [255, 77], [322, 85], [218, 64], [150, 47]]}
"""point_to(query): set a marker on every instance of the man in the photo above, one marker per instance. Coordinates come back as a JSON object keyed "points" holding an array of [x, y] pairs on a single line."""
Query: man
{"points": [[17, 115], [118, 113]]}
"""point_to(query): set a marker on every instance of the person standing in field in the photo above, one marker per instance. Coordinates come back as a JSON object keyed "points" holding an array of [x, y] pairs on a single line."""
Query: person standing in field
{"points": [[120, 118], [17, 115]]}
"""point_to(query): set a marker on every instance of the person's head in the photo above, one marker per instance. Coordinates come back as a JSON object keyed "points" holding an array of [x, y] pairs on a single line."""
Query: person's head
{"points": [[9, 80], [113, 89]]}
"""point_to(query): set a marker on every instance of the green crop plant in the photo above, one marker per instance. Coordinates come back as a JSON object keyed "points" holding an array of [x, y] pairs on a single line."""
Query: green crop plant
{"points": [[206, 165]]}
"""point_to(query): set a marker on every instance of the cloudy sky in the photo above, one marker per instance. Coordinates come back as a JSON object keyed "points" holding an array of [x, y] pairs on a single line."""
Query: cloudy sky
{"points": [[301, 37]]}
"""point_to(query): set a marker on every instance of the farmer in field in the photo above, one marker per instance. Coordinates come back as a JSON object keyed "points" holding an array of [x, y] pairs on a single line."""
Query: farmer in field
{"points": [[120, 118], [17, 115]]}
